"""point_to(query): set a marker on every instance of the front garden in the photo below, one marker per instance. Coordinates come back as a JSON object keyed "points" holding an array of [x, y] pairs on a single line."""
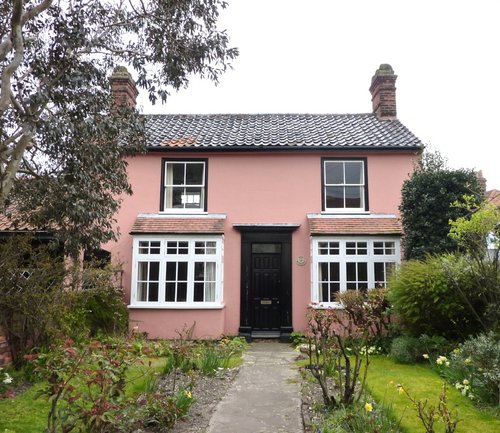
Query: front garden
{"points": [[422, 355]]}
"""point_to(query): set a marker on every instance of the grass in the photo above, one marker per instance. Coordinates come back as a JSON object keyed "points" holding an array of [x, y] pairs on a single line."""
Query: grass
{"points": [[25, 414], [422, 383]]}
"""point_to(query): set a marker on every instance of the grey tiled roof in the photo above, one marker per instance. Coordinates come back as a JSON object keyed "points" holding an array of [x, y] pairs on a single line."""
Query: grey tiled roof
{"points": [[276, 131]]}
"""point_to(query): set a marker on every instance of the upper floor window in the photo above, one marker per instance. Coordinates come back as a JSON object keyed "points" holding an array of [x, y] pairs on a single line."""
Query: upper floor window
{"points": [[184, 186], [344, 185]]}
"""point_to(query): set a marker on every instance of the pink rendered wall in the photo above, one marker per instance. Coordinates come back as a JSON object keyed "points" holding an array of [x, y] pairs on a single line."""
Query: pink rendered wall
{"points": [[267, 187]]}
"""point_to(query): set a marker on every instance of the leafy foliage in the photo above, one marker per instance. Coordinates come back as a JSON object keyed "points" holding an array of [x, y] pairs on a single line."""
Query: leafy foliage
{"points": [[426, 300], [426, 205], [31, 293], [61, 147], [43, 298]]}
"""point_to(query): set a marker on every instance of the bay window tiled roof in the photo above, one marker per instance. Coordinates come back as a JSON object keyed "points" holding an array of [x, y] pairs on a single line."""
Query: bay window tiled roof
{"points": [[371, 225], [171, 224]]}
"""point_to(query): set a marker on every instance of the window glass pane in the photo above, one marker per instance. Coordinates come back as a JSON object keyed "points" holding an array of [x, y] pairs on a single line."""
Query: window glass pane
{"points": [[334, 272], [199, 290], [210, 292], [351, 271], [171, 271], [324, 293], [334, 196], [153, 292], [199, 271], [353, 196], [194, 173], [182, 273], [154, 271], [142, 292], [266, 248], [155, 247], [181, 292], [143, 247], [142, 274], [354, 172], [379, 269], [192, 197], [183, 247], [177, 170], [334, 173], [363, 272], [170, 292]]}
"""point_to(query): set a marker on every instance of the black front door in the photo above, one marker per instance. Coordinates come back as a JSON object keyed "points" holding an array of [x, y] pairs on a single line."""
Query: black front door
{"points": [[266, 281], [266, 287]]}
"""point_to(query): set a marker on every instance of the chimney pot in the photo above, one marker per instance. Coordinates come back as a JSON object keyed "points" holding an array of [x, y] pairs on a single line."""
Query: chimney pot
{"points": [[383, 90], [123, 89]]}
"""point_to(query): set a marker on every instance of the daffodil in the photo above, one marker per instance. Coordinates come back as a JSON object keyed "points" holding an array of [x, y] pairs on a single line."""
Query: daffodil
{"points": [[368, 407]]}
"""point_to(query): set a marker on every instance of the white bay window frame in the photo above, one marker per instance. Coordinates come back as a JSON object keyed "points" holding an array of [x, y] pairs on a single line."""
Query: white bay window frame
{"points": [[353, 252], [201, 254]]}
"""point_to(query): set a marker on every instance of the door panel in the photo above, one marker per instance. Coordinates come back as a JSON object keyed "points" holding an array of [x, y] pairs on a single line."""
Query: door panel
{"points": [[266, 291]]}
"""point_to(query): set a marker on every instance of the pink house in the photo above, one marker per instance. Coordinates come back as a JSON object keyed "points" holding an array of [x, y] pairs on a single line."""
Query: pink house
{"points": [[238, 222]]}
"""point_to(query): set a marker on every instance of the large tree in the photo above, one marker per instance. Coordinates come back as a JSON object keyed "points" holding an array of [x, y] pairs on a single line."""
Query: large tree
{"points": [[427, 205], [61, 145]]}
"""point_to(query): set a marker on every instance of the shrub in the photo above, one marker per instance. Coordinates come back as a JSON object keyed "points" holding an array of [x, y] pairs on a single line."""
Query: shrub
{"points": [[32, 293], [425, 299], [406, 349], [97, 306], [474, 368], [339, 345]]}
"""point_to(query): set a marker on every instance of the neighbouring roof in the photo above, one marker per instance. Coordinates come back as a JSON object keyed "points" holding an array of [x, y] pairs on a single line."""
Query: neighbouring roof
{"points": [[277, 131], [151, 224], [373, 225], [493, 196]]}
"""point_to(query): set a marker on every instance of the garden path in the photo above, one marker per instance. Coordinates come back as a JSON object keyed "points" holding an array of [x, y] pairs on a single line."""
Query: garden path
{"points": [[265, 396]]}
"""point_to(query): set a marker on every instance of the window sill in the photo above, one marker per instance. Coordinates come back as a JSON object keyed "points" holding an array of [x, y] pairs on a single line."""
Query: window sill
{"points": [[327, 306], [345, 212], [183, 212], [151, 306]]}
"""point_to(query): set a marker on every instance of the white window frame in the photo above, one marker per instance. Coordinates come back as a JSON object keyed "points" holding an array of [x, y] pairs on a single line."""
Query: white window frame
{"points": [[166, 185], [362, 185], [191, 258], [387, 256]]}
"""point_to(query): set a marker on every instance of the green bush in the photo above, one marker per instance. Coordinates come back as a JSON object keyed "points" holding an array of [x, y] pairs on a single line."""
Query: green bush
{"points": [[406, 349], [97, 307], [475, 368], [426, 299]]}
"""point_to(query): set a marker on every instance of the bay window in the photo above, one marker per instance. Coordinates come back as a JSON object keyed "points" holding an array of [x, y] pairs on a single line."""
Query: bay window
{"points": [[177, 271], [342, 263]]}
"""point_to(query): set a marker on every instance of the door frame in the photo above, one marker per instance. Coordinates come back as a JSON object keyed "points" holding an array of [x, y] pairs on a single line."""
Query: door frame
{"points": [[266, 234]]}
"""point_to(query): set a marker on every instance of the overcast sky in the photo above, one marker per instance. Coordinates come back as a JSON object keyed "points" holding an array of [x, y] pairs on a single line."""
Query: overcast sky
{"points": [[318, 56]]}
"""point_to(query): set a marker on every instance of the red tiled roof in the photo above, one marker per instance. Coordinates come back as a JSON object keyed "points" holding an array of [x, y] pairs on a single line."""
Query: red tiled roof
{"points": [[355, 226], [493, 197], [178, 225]]}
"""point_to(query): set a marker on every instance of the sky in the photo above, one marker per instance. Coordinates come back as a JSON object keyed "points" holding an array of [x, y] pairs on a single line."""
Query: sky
{"points": [[318, 56]]}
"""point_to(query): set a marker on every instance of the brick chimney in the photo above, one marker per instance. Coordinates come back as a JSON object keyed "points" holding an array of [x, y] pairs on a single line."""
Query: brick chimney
{"points": [[383, 90], [123, 89]]}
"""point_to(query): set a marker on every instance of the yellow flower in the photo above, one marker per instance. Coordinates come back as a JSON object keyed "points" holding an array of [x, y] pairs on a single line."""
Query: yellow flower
{"points": [[368, 407], [188, 394], [400, 388], [425, 356]]}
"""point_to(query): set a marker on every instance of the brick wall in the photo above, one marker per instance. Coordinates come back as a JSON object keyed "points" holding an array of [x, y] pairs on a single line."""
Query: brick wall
{"points": [[4, 350]]}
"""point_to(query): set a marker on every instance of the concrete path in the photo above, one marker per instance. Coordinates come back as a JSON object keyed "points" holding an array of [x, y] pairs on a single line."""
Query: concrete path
{"points": [[265, 396]]}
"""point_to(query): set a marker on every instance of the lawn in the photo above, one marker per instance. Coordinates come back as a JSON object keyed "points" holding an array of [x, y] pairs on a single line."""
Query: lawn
{"points": [[422, 383], [25, 414]]}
